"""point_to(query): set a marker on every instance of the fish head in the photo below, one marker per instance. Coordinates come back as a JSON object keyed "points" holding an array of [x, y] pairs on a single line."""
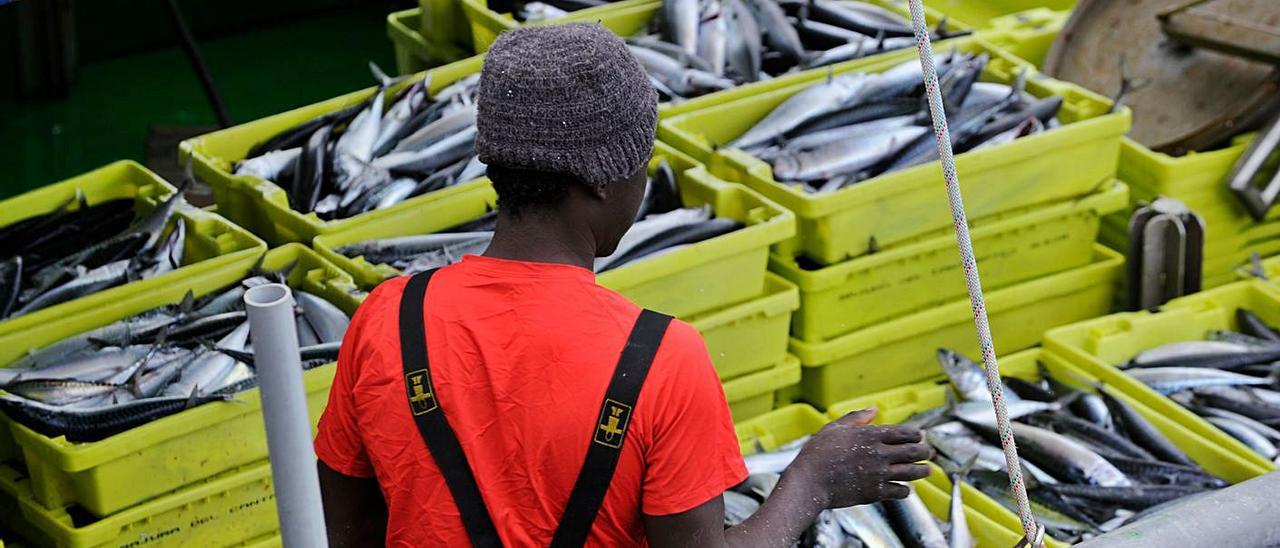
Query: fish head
{"points": [[785, 167], [849, 86], [1184, 398], [964, 374]]}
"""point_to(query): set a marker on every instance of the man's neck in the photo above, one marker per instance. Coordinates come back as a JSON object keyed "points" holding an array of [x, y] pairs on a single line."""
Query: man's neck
{"points": [[542, 237]]}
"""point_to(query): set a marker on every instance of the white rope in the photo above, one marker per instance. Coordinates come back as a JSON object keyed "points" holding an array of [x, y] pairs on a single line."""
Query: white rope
{"points": [[963, 241]]}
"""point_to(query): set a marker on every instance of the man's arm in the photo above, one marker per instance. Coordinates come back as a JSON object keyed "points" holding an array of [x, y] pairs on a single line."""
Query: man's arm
{"points": [[846, 464], [780, 521], [354, 510]]}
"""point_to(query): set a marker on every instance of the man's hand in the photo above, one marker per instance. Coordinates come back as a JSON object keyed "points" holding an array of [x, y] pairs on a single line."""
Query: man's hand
{"points": [[851, 462], [847, 463]]}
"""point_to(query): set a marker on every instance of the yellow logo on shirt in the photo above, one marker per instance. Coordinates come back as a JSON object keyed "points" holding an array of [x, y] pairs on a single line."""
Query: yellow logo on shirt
{"points": [[422, 398], [612, 426]]}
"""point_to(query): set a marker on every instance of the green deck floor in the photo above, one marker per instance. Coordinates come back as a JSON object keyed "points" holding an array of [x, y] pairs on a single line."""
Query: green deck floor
{"points": [[114, 103]]}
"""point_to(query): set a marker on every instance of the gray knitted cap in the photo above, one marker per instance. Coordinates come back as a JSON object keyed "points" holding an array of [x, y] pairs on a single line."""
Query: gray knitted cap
{"points": [[566, 98]]}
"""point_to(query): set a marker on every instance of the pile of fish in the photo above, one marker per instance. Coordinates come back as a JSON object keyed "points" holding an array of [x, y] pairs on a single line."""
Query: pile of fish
{"points": [[79, 249], [1230, 380], [162, 361], [1092, 463], [377, 153], [888, 524], [855, 126], [709, 45], [663, 226]]}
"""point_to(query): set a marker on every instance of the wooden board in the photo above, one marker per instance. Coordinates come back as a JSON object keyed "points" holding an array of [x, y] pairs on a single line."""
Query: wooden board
{"points": [[1196, 98]]}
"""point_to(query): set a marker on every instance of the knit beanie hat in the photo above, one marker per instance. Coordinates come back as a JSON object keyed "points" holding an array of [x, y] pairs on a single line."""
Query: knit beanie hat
{"points": [[566, 98]]}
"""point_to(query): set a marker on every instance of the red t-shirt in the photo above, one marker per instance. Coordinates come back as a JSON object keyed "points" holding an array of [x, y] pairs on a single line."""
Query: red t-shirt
{"points": [[521, 354]]}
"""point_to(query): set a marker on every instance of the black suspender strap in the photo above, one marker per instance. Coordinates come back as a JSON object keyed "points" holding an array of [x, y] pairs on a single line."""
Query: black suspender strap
{"points": [[441, 441], [610, 430]]}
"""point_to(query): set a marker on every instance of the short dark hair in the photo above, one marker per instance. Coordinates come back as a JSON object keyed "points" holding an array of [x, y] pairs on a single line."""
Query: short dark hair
{"points": [[520, 189]]}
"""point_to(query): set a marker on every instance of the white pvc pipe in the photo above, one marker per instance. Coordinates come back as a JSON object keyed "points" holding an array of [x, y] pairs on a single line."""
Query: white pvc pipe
{"points": [[284, 411], [1245, 514]]}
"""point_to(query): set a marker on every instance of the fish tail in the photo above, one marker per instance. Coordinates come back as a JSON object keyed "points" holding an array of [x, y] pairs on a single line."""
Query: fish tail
{"points": [[1069, 398], [102, 343], [379, 74], [188, 177], [1097, 384], [192, 399], [188, 304], [962, 475], [133, 385], [1274, 375], [239, 355], [426, 89], [1019, 84]]}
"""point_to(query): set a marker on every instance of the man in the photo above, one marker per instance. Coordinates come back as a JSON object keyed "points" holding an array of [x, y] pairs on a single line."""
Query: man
{"points": [[541, 408]]}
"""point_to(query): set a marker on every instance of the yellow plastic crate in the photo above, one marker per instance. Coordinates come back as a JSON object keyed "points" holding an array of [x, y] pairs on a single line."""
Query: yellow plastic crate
{"points": [[779, 427], [272, 540], [1220, 240], [1196, 179], [1235, 267], [1096, 346], [226, 510], [1224, 254], [897, 404], [771, 430], [749, 336], [1184, 176], [211, 244], [1064, 163], [751, 395], [1011, 248], [1216, 270], [1270, 269], [1028, 34], [902, 351], [414, 52], [107, 476], [262, 206], [1219, 281], [445, 23], [986, 15], [725, 269], [1224, 220]]}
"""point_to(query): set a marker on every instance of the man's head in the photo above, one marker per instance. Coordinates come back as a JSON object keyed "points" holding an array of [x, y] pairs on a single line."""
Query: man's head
{"points": [[566, 122]]}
